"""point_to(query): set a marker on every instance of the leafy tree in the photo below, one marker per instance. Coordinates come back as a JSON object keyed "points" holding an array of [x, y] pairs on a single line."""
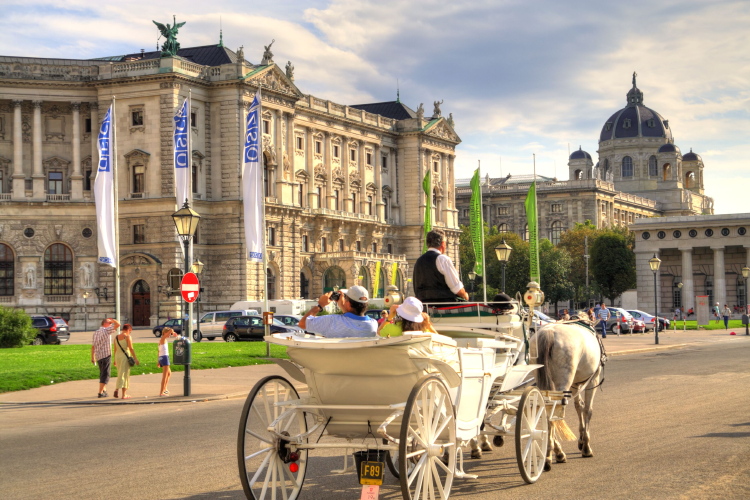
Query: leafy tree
{"points": [[555, 268], [15, 328], [573, 241], [613, 263]]}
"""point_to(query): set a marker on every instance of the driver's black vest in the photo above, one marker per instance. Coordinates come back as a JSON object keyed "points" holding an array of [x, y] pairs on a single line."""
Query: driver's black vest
{"points": [[429, 282]]}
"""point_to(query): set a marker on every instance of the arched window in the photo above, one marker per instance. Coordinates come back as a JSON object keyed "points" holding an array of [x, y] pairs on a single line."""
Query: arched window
{"points": [[304, 286], [578, 175], [502, 228], [364, 279], [653, 169], [7, 270], [556, 232], [334, 277], [58, 270], [689, 180], [381, 284], [525, 234], [666, 171], [627, 167], [271, 279], [606, 168]]}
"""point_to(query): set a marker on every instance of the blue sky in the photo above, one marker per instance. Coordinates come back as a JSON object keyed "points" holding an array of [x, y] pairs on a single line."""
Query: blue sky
{"points": [[520, 77]]}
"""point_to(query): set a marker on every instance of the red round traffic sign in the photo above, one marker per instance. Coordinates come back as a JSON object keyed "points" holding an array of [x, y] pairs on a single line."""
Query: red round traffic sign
{"points": [[189, 287]]}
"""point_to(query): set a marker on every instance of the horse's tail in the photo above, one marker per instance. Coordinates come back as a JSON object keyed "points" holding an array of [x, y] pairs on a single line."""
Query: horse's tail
{"points": [[545, 340]]}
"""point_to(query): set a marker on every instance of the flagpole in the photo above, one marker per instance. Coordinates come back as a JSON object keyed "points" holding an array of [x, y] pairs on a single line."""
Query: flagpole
{"points": [[266, 326], [189, 257], [481, 205], [116, 211]]}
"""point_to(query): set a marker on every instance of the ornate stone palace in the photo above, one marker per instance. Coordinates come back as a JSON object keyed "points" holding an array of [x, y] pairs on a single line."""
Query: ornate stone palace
{"points": [[640, 173], [342, 183]]}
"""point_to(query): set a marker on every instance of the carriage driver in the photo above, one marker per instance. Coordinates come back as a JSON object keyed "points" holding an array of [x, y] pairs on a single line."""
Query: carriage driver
{"points": [[353, 323], [435, 277]]}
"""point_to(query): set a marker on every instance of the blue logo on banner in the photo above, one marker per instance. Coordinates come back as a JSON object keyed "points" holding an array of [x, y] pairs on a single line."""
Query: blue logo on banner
{"points": [[104, 146], [181, 137], [252, 136]]}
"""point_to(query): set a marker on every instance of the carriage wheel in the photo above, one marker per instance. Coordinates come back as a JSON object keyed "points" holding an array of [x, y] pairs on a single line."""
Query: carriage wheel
{"points": [[428, 432], [264, 460], [391, 459], [532, 434]]}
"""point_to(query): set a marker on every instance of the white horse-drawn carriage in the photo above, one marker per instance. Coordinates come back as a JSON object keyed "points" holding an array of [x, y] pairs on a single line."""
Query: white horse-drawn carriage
{"points": [[413, 402]]}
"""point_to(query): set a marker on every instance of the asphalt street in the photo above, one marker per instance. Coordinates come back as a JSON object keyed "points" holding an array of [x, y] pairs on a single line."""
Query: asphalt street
{"points": [[667, 424]]}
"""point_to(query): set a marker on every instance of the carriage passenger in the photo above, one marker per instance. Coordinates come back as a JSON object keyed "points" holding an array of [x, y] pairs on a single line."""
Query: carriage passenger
{"points": [[407, 317], [353, 323]]}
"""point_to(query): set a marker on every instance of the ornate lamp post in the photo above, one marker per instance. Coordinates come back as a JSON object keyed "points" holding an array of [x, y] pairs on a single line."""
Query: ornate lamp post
{"points": [[197, 268], [472, 278], [502, 251], [654, 263], [682, 307], [186, 219], [85, 314], [745, 274]]}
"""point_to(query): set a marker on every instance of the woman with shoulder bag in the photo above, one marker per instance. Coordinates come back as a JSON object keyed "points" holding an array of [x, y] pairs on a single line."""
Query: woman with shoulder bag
{"points": [[124, 358]]}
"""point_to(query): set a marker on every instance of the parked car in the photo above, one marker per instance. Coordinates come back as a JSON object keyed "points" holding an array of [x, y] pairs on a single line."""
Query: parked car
{"points": [[649, 320], [212, 323], [288, 319], [374, 313], [51, 330], [625, 320], [251, 328], [540, 319], [174, 324], [638, 326]]}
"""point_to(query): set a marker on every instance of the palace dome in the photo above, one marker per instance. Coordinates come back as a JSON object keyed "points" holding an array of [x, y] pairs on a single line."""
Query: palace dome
{"points": [[635, 120], [580, 155], [691, 156]]}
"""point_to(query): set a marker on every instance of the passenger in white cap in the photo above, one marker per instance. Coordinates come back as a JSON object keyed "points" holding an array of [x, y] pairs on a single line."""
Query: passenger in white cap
{"points": [[353, 323], [407, 317]]}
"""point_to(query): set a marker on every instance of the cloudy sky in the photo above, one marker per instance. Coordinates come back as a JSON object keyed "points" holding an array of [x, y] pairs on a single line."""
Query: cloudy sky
{"points": [[519, 76]]}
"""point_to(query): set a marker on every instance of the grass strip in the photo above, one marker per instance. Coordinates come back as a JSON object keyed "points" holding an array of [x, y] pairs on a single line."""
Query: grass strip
{"points": [[34, 366], [693, 325]]}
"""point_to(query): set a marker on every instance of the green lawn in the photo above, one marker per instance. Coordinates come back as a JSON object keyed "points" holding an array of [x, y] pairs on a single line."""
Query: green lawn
{"points": [[692, 325], [35, 366]]}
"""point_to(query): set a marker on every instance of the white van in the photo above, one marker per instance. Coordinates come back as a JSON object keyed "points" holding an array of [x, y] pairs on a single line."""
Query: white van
{"points": [[212, 323], [279, 306]]}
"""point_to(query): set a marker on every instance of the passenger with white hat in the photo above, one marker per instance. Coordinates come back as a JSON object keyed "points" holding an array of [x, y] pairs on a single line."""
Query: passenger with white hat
{"points": [[353, 323], [407, 317]]}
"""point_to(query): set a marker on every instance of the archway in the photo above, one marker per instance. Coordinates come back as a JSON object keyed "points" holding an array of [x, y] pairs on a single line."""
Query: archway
{"points": [[334, 277], [141, 300]]}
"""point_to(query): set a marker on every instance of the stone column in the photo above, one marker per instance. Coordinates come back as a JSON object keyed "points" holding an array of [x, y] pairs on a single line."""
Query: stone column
{"points": [[19, 178], [328, 195], [377, 201], [446, 195], [38, 172], [279, 153], [362, 179], [76, 179], [94, 115], [720, 281], [344, 198], [688, 288], [310, 167]]}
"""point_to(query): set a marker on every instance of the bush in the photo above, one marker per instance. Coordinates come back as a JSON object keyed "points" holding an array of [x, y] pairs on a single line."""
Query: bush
{"points": [[15, 328]]}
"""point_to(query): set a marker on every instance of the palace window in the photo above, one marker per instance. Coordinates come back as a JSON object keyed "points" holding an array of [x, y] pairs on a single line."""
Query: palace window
{"points": [[7, 270], [368, 156], [556, 232], [300, 143], [353, 154], [193, 119], [502, 228], [266, 126], [305, 243], [139, 178], [323, 244], [272, 236], [336, 151], [502, 210], [318, 147], [55, 183], [627, 167], [653, 169], [139, 233], [341, 244], [58, 270], [556, 208]]}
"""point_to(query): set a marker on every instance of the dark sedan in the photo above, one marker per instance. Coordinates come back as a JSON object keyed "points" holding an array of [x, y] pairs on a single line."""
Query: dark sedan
{"points": [[251, 328], [174, 324], [51, 330]]}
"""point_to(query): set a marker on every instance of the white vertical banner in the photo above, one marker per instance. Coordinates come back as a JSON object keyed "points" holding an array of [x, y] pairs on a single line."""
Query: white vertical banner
{"points": [[182, 154], [104, 195], [252, 184]]}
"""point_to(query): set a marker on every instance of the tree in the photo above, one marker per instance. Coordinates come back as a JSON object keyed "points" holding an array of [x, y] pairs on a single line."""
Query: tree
{"points": [[555, 267], [573, 241], [15, 328], [613, 263]]}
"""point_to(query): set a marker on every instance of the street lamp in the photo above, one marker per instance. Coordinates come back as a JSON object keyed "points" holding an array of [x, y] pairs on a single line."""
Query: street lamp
{"points": [[745, 274], [197, 268], [85, 315], [186, 219], [502, 251], [472, 277], [682, 309], [654, 263]]}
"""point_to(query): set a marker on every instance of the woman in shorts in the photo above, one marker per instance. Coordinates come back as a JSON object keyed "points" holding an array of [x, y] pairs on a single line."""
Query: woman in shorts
{"points": [[166, 371]]}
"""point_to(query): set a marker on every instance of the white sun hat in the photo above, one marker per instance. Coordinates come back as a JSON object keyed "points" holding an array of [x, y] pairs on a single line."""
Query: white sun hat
{"points": [[411, 310]]}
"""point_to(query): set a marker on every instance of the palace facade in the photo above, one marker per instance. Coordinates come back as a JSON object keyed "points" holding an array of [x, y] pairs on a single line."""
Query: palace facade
{"points": [[343, 183]]}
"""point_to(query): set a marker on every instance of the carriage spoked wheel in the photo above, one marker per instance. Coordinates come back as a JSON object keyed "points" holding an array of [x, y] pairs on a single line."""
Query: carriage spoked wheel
{"points": [[428, 433], [265, 462], [532, 434]]}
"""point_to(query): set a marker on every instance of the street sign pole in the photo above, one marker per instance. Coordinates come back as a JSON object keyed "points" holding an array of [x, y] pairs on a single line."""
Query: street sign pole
{"points": [[189, 289]]}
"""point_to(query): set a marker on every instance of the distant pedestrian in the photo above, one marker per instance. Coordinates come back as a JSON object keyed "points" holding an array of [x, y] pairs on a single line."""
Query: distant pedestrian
{"points": [[717, 313], [604, 316], [383, 316], [726, 313], [676, 313], [101, 352], [565, 315], [123, 349], [166, 371]]}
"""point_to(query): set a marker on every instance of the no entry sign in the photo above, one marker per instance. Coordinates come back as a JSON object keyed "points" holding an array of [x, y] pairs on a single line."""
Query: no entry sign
{"points": [[189, 287]]}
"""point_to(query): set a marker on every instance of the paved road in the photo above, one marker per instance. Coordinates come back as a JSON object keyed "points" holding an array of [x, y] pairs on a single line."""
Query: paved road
{"points": [[668, 424]]}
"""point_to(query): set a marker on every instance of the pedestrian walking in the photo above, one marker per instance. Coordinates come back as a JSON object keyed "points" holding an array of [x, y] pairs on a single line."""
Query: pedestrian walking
{"points": [[124, 349], [101, 352], [604, 316], [717, 313], [726, 313], [166, 371]]}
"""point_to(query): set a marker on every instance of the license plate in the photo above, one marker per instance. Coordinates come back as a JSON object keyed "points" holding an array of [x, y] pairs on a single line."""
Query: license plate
{"points": [[371, 473]]}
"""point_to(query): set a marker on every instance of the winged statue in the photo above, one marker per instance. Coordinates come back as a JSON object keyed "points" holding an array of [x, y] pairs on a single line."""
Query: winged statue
{"points": [[171, 45]]}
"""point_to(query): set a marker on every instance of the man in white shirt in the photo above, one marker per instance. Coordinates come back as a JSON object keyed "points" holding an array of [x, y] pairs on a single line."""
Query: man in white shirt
{"points": [[352, 323], [435, 277]]}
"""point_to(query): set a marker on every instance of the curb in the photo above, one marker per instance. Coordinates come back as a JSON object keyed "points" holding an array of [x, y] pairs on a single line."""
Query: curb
{"points": [[647, 349], [140, 401]]}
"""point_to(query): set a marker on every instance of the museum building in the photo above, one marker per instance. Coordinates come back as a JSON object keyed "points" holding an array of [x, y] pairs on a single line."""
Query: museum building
{"points": [[343, 183]]}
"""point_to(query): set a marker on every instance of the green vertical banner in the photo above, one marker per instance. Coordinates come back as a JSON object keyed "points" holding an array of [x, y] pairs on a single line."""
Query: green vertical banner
{"points": [[376, 283], [531, 218], [476, 224], [427, 187], [394, 273]]}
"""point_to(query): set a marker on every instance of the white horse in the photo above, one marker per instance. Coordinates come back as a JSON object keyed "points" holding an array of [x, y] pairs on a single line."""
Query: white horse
{"points": [[573, 361]]}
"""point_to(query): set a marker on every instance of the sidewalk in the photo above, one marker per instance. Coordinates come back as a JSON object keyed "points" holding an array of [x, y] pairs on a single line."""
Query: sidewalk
{"points": [[224, 383]]}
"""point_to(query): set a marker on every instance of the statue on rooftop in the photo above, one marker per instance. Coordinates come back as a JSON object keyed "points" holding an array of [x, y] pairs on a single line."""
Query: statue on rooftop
{"points": [[420, 111], [171, 46], [436, 113], [290, 70], [450, 120], [634, 75], [267, 54]]}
